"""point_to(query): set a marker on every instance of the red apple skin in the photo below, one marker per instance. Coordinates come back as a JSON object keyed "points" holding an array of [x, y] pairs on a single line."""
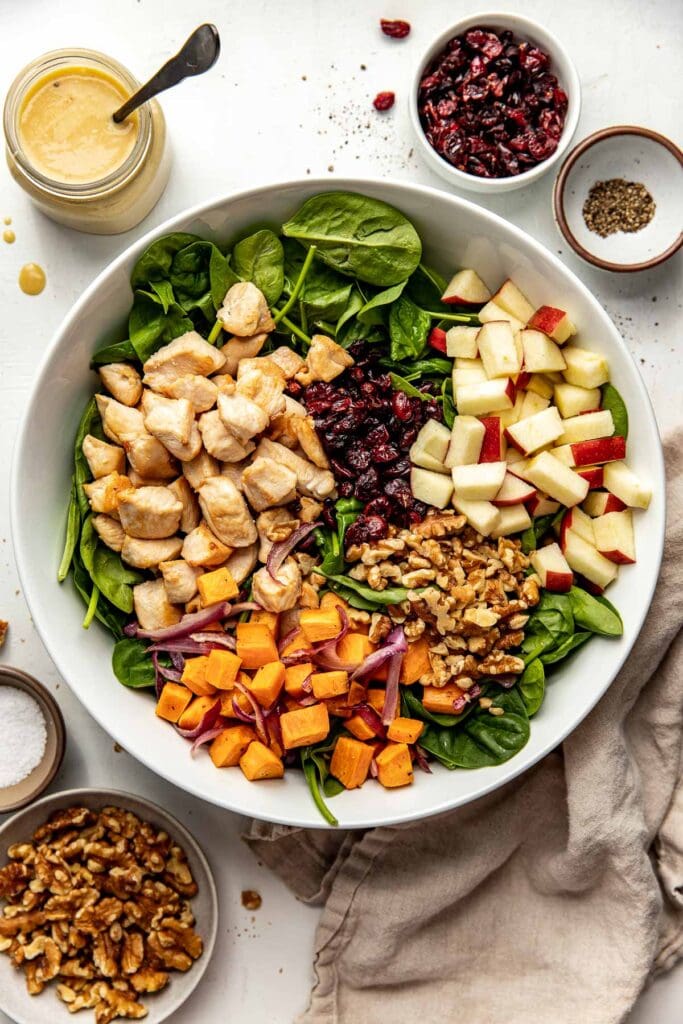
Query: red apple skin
{"points": [[600, 449], [594, 476], [458, 300], [560, 582], [614, 504], [516, 501], [491, 446], [511, 440], [437, 339], [618, 557], [523, 379], [511, 390], [546, 319], [588, 585]]}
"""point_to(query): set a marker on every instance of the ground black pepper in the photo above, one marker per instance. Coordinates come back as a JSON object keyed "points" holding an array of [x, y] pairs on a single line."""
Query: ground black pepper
{"points": [[618, 205]]}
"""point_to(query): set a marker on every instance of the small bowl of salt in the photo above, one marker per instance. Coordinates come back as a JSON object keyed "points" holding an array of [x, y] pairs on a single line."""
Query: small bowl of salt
{"points": [[33, 739]]}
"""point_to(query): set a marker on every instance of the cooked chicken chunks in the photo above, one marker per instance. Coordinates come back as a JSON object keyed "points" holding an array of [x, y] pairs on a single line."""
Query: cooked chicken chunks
{"points": [[263, 382], [104, 493], [202, 548], [119, 423], [199, 469], [224, 382], [103, 458], [289, 361], [294, 408], [281, 429], [274, 525], [226, 512], [188, 354], [149, 512], [150, 459], [147, 554], [109, 531], [242, 417], [268, 483], [200, 392], [190, 516], [304, 429], [122, 381], [233, 471], [281, 593], [152, 607], [171, 420], [145, 481], [180, 580], [325, 360], [245, 311], [219, 441], [241, 563], [311, 481], [241, 348]]}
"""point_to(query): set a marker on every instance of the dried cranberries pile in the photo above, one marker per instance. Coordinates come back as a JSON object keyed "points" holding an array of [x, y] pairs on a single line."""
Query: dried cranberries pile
{"points": [[367, 429], [490, 106]]}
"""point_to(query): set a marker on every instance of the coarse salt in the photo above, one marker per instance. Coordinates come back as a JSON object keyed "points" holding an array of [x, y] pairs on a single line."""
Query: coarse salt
{"points": [[24, 735]]}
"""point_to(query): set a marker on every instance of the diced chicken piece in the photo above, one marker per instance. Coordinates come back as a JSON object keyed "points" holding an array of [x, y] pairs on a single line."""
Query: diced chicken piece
{"points": [[226, 512], [202, 548], [236, 349], [145, 481], [282, 429], [309, 510], [219, 441], [306, 434], [273, 526], [268, 483], [281, 593], [289, 361], [233, 471], [119, 423], [263, 382], [180, 580], [147, 554], [103, 458], [245, 311], [311, 481], [241, 416], [109, 531], [225, 382], [241, 563], [122, 381], [188, 354], [199, 469], [325, 360], [150, 459], [200, 392], [171, 420], [104, 493], [152, 607], [149, 512], [190, 516]]}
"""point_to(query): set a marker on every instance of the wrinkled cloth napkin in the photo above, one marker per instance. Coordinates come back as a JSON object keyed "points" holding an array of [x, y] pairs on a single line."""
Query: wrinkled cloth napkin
{"points": [[552, 900]]}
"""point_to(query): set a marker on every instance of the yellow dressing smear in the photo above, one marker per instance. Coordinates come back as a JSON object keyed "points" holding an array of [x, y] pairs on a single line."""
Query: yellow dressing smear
{"points": [[31, 279], [7, 220], [66, 129], [8, 236]]}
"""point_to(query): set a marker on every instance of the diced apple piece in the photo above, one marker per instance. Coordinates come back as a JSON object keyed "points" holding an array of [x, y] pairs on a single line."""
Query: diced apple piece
{"points": [[478, 483], [585, 368], [564, 453], [588, 561], [432, 488], [577, 520], [510, 416], [541, 505], [481, 515], [540, 385], [588, 453], [522, 378], [513, 519], [572, 400], [614, 536], [532, 404], [465, 446], [437, 340], [600, 503], [462, 341], [486, 396], [492, 445], [556, 479], [517, 464], [498, 350], [492, 311], [514, 491], [468, 371], [466, 288], [536, 431], [541, 355], [623, 482], [513, 301], [586, 427], [426, 461], [434, 438], [593, 474], [553, 568], [553, 322]]}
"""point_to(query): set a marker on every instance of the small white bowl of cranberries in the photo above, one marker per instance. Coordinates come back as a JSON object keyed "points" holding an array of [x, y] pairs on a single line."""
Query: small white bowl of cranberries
{"points": [[495, 103]]}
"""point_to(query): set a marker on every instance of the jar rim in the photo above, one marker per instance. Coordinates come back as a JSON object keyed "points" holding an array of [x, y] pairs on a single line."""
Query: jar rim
{"points": [[27, 77]]}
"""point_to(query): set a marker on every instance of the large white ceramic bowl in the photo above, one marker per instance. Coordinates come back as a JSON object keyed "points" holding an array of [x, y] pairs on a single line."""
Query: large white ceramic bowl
{"points": [[455, 233]]}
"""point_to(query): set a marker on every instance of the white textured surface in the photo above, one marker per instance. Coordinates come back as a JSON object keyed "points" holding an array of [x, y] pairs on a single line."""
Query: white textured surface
{"points": [[254, 119]]}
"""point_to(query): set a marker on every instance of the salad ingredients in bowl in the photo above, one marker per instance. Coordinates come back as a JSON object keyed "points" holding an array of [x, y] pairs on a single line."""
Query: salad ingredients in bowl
{"points": [[323, 544]]}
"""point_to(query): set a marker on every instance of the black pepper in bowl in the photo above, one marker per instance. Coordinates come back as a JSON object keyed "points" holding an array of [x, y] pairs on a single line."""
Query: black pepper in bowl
{"points": [[618, 205]]}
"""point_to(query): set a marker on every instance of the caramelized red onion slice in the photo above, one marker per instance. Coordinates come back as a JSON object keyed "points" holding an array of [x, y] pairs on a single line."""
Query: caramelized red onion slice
{"points": [[258, 720], [244, 606], [206, 737], [287, 639], [326, 645], [216, 639], [391, 689], [460, 703], [421, 759], [283, 548], [372, 719], [374, 770], [298, 657], [184, 646], [395, 643], [191, 623], [207, 721]]}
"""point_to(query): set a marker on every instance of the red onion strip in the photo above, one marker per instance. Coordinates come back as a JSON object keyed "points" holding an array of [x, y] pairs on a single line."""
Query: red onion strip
{"points": [[206, 737], [244, 606], [421, 759], [217, 639], [258, 713], [185, 646], [325, 645], [283, 548], [391, 690], [207, 721], [371, 719], [395, 644], [374, 770], [188, 624], [242, 715], [288, 638]]}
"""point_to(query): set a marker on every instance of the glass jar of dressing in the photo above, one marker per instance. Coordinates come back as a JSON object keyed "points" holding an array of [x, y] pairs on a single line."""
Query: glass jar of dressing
{"points": [[66, 152]]}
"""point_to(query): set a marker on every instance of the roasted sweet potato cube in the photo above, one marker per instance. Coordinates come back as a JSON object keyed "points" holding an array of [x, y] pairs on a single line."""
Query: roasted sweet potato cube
{"points": [[195, 711], [242, 701], [329, 684], [264, 618], [229, 746], [216, 586], [320, 623], [339, 707], [351, 762], [440, 699], [354, 648], [304, 726], [296, 644], [295, 676], [332, 600], [194, 676], [415, 661], [394, 766], [405, 730], [255, 644], [358, 693], [360, 728], [173, 701], [375, 699], [222, 669], [260, 762], [267, 683]]}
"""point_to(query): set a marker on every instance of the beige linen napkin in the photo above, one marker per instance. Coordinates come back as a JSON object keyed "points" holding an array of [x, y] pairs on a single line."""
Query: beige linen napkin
{"points": [[551, 901]]}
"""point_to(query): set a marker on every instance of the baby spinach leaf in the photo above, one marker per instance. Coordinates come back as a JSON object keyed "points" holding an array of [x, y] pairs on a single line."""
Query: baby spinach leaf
{"points": [[150, 327], [316, 772], [346, 511], [119, 352], [534, 533], [531, 685], [190, 276], [358, 236], [483, 740], [408, 328], [260, 259], [331, 551], [425, 287], [412, 707], [90, 424], [350, 596], [114, 579], [221, 276], [354, 304], [554, 614], [563, 649], [73, 529], [132, 664], [534, 644], [419, 368], [447, 403], [109, 616], [325, 294], [391, 595], [401, 384], [164, 293], [612, 400], [155, 262], [595, 614], [374, 310], [88, 543]]}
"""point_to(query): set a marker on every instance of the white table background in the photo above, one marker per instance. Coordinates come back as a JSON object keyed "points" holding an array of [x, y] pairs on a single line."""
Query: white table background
{"points": [[287, 98]]}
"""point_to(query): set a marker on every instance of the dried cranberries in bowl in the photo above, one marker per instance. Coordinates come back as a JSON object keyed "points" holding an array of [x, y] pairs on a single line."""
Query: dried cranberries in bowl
{"points": [[490, 105]]}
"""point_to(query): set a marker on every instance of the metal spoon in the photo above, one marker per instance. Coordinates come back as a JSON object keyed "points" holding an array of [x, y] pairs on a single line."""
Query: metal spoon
{"points": [[199, 53]]}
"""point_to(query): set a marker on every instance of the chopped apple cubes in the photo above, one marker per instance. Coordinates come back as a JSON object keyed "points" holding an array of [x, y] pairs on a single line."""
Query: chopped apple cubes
{"points": [[585, 368], [614, 536], [541, 355], [479, 483], [466, 288], [461, 341], [623, 482], [487, 396], [556, 479], [432, 488], [481, 515], [587, 560], [497, 350], [467, 435], [537, 431], [553, 568]]}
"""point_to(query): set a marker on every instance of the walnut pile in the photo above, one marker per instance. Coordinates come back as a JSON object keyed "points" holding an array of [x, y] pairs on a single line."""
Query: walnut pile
{"points": [[469, 596], [98, 902]]}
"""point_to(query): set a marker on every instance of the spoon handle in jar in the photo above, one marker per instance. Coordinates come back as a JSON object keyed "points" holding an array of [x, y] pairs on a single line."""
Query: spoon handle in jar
{"points": [[199, 53]]}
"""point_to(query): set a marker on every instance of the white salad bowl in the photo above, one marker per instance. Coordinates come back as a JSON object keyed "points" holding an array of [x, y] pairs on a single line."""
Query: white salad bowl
{"points": [[455, 233]]}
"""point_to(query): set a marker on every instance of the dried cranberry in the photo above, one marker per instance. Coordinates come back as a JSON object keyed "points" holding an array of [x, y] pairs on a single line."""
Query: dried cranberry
{"points": [[399, 468], [488, 42], [395, 29], [378, 507], [401, 406], [384, 453], [367, 484], [345, 489], [358, 457], [384, 100], [366, 529]]}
